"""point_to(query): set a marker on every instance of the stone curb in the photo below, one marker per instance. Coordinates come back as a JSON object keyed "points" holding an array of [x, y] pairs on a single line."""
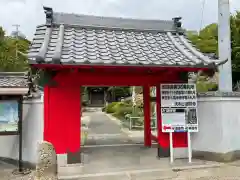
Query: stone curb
{"points": [[170, 170]]}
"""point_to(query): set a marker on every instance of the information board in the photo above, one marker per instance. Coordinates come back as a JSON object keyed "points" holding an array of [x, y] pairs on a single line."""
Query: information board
{"points": [[9, 116], [179, 108]]}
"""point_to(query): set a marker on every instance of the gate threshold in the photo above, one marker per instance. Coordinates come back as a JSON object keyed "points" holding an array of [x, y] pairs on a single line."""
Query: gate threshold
{"points": [[114, 145], [164, 173]]}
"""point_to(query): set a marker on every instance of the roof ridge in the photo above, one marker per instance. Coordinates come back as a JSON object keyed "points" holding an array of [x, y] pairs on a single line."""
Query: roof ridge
{"points": [[113, 17], [81, 20], [13, 74]]}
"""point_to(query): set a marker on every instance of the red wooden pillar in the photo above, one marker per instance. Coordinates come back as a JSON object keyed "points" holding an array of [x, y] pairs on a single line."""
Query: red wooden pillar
{"points": [[46, 113], [147, 116], [163, 138], [62, 118]]}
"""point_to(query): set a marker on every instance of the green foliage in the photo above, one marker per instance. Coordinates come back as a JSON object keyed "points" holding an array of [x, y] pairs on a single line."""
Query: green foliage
{"points": [[9, 59], [207, 40], [109, 108], [120, 91], [204, 86], [2, 34], [235, 43], [120, 105], [122, 111]]}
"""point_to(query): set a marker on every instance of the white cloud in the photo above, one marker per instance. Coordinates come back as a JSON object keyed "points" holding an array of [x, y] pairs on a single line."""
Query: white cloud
{"points": [[29, 13]]}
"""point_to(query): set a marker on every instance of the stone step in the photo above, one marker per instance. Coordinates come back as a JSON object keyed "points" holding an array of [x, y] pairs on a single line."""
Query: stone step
{"points": [[133, 175]]}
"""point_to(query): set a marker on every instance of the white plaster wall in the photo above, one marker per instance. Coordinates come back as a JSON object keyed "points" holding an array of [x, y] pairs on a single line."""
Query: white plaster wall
{"points": [[32, 133], [219, 125]]}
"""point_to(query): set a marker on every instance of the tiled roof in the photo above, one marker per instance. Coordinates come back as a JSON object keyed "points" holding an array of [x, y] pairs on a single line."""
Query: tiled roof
{"points": [[13, 80], [79, 40]]}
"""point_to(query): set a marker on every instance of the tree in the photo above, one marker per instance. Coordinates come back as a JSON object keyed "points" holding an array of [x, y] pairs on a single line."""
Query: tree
{"points": [[235, 41], [10, 58], [207, 40], [118, 92], [2, 34]]}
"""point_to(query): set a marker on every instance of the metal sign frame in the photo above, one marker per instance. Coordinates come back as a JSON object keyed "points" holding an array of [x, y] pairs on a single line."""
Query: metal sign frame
{"points": [[175, 103], [177, 100]]}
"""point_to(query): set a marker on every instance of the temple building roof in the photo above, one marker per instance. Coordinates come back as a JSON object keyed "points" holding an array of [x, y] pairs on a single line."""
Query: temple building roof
{"points": [[13, 83], [72, 39]]}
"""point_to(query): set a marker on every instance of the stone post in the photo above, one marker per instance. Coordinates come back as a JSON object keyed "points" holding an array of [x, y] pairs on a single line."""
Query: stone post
{"points": [[46, 167]]}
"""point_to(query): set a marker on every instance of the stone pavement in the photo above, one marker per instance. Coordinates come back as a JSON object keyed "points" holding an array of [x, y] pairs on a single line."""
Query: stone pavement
{"points": [[136, 161], [112, 154], [225, 172], [101, 124], [130, 133], [104, 131]]}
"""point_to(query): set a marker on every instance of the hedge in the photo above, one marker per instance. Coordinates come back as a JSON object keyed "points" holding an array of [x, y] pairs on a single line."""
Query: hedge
{"points": [[121, 109], [109, 107]]}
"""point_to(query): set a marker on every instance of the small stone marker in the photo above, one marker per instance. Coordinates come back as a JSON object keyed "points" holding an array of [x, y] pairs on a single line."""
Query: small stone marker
{"points": [[46, 167]]}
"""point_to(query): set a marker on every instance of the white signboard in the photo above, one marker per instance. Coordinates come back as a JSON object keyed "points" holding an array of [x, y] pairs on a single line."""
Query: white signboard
{"points": [[8, 116], [179, 108]]}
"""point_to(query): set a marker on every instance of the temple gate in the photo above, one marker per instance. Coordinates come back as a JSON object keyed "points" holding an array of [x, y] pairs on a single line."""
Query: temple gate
{"points": [[75, 51]]}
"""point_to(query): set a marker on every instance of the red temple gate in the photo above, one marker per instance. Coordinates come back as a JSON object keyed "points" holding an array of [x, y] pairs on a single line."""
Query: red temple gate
{"points": [[80, 51]]}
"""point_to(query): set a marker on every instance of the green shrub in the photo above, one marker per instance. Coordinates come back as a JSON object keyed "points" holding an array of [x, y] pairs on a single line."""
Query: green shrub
{"points": [[123, 111], [119, 105], [109, 107], [129, 101]]}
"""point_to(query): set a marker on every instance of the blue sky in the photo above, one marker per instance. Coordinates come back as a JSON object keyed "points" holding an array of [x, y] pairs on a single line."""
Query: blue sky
{"points": [[29, 13]]}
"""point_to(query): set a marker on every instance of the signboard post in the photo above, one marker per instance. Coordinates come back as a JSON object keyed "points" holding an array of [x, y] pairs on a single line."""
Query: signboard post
{"points": [[171, 147], [189, 147], [179, 111]]}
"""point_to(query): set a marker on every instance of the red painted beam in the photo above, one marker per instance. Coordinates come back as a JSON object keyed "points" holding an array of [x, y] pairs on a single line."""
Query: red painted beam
{"points": [[147, 116], [118, 68], [110, 79]]}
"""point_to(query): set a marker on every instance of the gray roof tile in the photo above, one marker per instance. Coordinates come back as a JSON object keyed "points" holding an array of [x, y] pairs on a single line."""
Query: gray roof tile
{"points": [[79, 39], [13, 80]]}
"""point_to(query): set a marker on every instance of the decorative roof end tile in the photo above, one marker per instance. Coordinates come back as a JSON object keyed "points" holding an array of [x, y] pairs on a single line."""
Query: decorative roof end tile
{"points": [[177, 22], [49, 15]]}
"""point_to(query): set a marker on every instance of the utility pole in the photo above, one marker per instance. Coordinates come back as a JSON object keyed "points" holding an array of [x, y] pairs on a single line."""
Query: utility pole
{"points": [[17, 31], [224, 46]]}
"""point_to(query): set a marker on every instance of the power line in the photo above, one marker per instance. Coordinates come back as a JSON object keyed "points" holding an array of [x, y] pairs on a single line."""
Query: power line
{"points": [[202, 14]]}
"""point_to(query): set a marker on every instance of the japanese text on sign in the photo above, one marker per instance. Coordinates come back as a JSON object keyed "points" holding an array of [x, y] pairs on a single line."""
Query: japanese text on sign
{"points": [[179, 107], [178, 95]]}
